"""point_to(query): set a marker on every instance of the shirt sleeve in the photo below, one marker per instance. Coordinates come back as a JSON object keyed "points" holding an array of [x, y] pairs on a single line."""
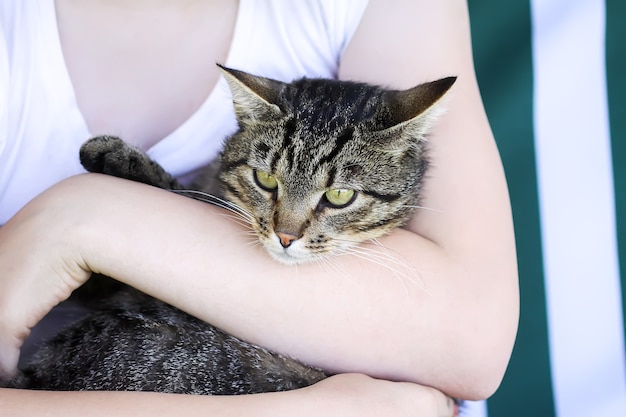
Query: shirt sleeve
{"points": [[4, 81], [342, 21]]}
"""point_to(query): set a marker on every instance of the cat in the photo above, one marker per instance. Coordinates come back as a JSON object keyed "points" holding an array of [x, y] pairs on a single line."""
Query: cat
{"points": [[317, 166]]}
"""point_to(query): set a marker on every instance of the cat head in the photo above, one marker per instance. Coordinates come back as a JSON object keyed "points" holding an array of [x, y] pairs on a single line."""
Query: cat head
{"points": [[322, 165]]}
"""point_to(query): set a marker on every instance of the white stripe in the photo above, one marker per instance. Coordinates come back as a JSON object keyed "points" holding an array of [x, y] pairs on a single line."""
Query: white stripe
{"points": [[474, 409], [577, 208]]}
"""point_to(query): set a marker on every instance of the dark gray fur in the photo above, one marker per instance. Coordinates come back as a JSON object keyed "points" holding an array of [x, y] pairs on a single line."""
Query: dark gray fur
{"points": [[138, 343], [313, 135]]}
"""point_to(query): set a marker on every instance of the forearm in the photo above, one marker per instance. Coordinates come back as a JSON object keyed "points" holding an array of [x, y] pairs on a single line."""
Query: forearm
{"points": [[445, 316], [466, 213], [343, 395], [350, 316], [97, 403], [134, 404]]}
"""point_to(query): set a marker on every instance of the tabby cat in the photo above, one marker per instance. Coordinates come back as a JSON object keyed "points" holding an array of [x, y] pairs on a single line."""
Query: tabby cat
{"points": [[317, 166]]}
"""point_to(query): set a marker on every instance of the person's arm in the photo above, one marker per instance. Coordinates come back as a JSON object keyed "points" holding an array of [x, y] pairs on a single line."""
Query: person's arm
{"points": [[470, 223], [342, 396], [449, 325]]}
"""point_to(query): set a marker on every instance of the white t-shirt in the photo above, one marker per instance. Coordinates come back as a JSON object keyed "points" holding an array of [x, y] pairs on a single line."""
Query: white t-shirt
{"points": [[42, 128]]}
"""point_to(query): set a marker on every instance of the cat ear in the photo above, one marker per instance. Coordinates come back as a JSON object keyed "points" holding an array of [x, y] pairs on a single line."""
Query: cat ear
{"points": [[414, 111], [254, 97]]}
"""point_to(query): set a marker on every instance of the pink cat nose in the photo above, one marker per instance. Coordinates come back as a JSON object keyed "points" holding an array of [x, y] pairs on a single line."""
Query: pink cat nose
{"points": [[286, 239]]}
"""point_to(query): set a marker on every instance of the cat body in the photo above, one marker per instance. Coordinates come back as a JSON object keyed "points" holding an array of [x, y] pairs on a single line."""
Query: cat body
{"points": [[316, 167], [134, 342]]}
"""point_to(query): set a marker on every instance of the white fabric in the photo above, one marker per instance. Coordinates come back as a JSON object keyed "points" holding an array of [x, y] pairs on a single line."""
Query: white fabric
{"points": [[41, 127], [572, 141], [577, 206], [474, 409]]}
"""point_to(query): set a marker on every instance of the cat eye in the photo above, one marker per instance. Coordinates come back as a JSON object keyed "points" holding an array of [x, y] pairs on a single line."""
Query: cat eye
{"points": [[265, 180], [340, 197]]}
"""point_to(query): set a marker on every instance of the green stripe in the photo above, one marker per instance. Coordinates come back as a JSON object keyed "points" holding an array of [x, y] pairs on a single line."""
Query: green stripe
{"points": [[616, 86], [501, 34]]}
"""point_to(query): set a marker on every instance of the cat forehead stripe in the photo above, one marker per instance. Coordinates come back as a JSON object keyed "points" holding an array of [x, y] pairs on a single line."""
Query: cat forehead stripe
{"points": [[234, 164], [340, 143]]}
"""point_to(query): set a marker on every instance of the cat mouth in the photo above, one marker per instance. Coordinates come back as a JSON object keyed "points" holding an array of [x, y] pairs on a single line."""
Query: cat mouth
{"points": [[288, 257], [293, 254]]}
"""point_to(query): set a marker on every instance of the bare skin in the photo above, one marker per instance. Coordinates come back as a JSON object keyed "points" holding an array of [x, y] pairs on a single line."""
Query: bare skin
{"points": [[450, 326], [348, 395], [192, 34]]}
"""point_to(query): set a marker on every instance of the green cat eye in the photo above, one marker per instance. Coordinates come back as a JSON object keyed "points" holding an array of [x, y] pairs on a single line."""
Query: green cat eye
{"points": [[340, 197], [265, 180]]}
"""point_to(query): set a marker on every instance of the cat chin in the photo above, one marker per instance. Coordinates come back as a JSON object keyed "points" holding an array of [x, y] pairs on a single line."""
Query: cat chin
{"points": [[286, 259], [289, 256]]}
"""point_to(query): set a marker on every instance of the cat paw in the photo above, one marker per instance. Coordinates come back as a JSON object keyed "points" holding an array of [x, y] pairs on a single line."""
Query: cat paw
{"points": [[99, 153], [112, 156]]}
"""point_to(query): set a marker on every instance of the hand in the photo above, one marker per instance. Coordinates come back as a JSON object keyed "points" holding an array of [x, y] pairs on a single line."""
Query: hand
{"points": [[363, 396], [39, 268], [345, 395]]}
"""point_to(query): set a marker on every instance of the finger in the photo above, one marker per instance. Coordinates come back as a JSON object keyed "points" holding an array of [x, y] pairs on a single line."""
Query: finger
{"points": [[9, 356], [446, 406], [455, 407]]}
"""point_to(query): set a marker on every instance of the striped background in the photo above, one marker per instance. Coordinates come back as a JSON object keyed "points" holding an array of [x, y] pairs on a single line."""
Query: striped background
{"points": [[552, 76]]}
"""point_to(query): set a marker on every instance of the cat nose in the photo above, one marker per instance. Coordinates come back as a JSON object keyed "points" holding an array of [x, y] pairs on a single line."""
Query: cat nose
{"points": [[286, 239]]}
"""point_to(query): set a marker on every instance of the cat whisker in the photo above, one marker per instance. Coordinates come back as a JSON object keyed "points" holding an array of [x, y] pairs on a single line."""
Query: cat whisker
{"points": [[216, 201], [333, 266], [238, 219], [352, 251], [374, 256], [401, 269], [382, 252], [251, 234], [330, 265], [252, 242], [423, 208], [210, 198], [395, 257], [237, 214]]}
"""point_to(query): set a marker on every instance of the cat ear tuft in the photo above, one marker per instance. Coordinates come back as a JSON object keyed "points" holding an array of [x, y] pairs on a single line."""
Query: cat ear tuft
{"points": [[255, 98], [408, 104], [415, 110]]}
